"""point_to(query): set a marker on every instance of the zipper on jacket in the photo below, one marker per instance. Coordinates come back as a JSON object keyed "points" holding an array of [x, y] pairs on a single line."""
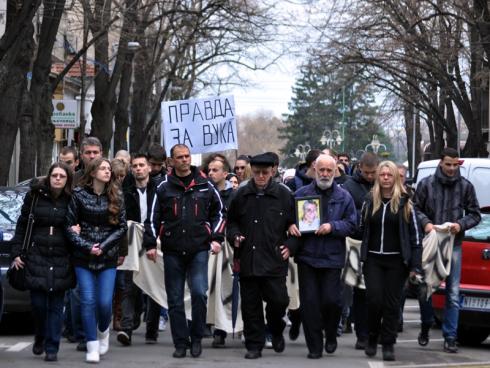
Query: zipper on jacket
{"points": [[381, 250]]}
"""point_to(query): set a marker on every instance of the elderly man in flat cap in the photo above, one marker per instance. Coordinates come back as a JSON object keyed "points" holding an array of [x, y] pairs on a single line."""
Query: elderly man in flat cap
{"points": [[259, 217]]}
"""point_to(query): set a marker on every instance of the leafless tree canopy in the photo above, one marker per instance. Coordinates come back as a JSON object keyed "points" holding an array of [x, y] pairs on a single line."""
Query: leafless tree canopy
{"points": [[430, 55]]}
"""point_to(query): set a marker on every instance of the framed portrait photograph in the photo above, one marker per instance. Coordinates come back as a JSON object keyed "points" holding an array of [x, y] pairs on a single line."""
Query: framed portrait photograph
{"points": [[308, 213]]}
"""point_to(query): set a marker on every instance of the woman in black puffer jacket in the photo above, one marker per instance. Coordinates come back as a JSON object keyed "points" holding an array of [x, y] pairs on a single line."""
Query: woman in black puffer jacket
{"points": [[48, 268], [96, 222]]}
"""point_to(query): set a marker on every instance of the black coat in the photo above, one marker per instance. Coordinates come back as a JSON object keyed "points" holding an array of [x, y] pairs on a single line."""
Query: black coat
{"points": [[132, 199], [90, 211], [48, 266], [440, 199], [188, 218], [263, 219]]}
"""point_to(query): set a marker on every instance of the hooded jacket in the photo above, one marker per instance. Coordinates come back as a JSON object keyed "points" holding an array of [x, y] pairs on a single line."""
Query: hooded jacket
{"points": [[188, 218], [440, 198], [48, 266], [300, 179]]}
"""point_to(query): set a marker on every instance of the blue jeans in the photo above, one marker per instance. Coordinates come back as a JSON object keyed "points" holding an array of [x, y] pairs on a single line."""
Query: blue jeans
{"points": [[451, 309], [47, 309], [194, 269], [96, 289]]}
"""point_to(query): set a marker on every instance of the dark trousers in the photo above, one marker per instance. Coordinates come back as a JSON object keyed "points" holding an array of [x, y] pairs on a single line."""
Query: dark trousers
{"points": [[131, 301], [194, 269], [76, 314], [47, 309], [359, 310], [153, 310], [320, 295], [253, 292], [385, 276]]}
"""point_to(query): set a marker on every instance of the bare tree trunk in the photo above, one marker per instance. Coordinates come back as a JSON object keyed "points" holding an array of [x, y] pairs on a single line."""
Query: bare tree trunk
{"points": [[16, 49], [121, 116], [40, 92], [27, 140], [106, 82]]}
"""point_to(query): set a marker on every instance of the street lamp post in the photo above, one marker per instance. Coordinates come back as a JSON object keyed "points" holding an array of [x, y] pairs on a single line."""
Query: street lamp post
{"points": [[331, 138], [375, 144], [302, 150]]}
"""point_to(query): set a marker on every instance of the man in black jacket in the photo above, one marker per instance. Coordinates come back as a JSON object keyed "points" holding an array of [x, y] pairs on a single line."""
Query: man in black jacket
{"points": [[260, 214], [447, 197], [188, 215], [218, 169], [156, 158], [138, 191], [358, 186]]}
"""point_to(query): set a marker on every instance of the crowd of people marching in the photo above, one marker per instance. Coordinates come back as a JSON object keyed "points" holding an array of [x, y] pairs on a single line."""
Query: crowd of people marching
{"points": [[260, 223]]}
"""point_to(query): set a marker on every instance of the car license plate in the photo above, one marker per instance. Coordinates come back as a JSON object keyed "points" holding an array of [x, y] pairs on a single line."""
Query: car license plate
{"points": [[470, 302]]}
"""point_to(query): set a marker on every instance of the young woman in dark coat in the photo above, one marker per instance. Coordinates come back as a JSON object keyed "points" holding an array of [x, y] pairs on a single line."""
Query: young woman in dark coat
{"points": [[96, 222], [48, 268], [391, 249]]}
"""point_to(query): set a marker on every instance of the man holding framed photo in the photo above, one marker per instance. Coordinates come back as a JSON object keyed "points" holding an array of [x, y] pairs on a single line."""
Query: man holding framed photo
{"points": [[320, 256]]}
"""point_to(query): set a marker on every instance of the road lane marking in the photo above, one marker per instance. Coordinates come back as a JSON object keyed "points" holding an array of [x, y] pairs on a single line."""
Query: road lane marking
{"points": [[376, 364], [19, 346], [460, 364], [431, 340]]}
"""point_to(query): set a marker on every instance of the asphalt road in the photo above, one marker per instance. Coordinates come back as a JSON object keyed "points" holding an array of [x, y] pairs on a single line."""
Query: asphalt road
{"points": [[15, 351]]}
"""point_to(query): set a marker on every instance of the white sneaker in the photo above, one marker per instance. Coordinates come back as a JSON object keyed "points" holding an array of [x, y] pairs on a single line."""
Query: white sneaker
{"points": [[92, 355], [268, 341], [162, 325], [103, 338]]}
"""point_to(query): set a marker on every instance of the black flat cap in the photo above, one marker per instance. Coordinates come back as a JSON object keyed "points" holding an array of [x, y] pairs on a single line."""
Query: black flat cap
{"points": [[264, 159]]}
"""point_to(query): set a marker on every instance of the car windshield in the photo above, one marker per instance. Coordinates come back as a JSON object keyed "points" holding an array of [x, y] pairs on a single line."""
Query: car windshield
{"points": [[482, 230], [10, 205]]}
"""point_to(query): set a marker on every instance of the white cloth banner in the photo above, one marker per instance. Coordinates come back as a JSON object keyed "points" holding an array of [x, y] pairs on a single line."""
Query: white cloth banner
{"points": [[149, 276], [436, 256], [203, 124]]}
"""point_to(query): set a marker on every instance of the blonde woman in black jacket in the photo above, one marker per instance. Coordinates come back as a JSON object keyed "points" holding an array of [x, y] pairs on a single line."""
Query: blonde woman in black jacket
{"points": [[391, 249], [48, 268], [96, 222]]}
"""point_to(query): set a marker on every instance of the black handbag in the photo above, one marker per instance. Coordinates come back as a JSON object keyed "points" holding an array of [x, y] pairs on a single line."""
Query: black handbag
{"points": [[17, 277]]}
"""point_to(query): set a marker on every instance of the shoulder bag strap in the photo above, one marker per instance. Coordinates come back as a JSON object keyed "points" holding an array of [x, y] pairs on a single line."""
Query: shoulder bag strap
{"points": [[30, 224]]}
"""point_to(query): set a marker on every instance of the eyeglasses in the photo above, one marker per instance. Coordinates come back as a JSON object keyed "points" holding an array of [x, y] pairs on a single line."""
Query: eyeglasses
{"points": [[61, 176], [239, 167]]}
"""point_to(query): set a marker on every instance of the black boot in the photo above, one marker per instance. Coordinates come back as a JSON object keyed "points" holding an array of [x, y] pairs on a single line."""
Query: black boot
{"points": [[371, 346], [423, 337], [388, 352], [38, 346]]}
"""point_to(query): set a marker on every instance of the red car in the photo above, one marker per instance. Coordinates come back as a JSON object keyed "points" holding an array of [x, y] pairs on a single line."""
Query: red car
{"points": [[474, 315]]}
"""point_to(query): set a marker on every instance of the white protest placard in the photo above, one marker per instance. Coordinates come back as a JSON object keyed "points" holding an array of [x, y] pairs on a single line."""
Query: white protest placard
{"points": [[203, 124], [65, 114]]}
